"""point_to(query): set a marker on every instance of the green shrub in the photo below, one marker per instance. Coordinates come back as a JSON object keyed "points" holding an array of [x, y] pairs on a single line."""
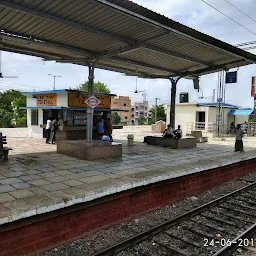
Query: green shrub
{"points": [[21, 122]]}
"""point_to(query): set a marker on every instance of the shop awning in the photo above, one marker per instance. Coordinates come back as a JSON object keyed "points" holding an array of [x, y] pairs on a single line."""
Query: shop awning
{"points": [[41, 107], [74, 109], [240, 112]]}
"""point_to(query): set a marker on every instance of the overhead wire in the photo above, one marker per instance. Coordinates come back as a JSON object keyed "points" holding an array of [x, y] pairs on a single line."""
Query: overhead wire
{"points": [[229, 17], [240, 11]]}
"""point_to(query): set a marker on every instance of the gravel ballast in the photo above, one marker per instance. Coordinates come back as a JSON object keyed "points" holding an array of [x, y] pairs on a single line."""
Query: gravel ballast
{"points": [[105, 238]]}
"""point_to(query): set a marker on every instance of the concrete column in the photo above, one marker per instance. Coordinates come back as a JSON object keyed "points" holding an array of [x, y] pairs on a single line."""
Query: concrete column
{"points": [[90, 111]]}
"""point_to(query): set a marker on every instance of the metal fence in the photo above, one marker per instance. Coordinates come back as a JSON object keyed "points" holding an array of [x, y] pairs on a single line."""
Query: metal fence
{"points": [[221, 130]]}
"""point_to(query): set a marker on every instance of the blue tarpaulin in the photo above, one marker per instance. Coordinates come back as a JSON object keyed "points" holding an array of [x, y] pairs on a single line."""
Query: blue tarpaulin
{"points": [[240, 112]]}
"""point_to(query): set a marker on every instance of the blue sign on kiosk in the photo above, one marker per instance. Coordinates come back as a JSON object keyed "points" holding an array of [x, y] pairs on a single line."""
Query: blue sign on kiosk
{"points": [[231, 77]]}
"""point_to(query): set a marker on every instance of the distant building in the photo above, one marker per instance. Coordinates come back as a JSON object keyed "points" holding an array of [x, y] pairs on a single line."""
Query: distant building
{"points": [[122, 103], [206, 116], [139, 109]]}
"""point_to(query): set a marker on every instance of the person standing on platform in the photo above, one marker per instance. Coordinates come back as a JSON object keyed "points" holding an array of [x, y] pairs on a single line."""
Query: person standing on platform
{"points": [[239, 139], [55, 125], [48, 129], [100, 128]]}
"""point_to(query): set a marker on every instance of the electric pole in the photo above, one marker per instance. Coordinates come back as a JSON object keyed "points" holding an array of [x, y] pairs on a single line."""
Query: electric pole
{"points": [[54, 77], [156, 109]]}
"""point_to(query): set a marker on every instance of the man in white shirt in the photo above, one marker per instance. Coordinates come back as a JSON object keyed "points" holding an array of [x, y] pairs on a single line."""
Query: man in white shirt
{"points": [[48, 129], [178, 132], [168, 133]]}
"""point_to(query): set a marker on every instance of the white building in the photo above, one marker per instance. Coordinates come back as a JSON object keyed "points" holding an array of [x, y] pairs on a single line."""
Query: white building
{"points": [[203, 116], [139, 109]]}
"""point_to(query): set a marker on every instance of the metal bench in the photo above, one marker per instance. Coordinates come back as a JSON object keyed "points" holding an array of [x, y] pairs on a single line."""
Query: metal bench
{"points": [[4, 151]]}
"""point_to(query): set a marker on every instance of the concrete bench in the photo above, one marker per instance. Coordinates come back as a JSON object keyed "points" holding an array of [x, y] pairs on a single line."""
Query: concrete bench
{"points": [[199, 136], [98, 150], [186, 142]]}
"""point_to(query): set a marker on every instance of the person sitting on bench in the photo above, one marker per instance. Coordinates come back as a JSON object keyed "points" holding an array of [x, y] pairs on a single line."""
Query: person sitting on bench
{"points": [[178, 133], [168, 132]]}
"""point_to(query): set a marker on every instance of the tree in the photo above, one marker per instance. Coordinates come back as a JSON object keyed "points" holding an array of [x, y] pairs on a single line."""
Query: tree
{"points": [[161, 115], [116, 118], [10, 103], [98, 87], [141, 120]]}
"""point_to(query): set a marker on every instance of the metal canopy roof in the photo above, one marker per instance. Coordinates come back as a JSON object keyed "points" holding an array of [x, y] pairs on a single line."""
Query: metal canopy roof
{"points": [[116, 35]]}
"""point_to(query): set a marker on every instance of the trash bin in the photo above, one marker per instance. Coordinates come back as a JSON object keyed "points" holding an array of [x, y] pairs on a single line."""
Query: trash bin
{"points": [[130, 138]]}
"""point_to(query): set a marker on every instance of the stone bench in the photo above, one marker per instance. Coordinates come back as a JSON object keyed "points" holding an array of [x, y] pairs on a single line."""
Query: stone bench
{"points": [[186, 142], [98, 149], [199, 136]]}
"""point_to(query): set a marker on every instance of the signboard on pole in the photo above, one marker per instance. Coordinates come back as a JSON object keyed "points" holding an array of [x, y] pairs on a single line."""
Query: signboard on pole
{"points": [[219, 100], [253, 91], [92, 102], [231, 77]]}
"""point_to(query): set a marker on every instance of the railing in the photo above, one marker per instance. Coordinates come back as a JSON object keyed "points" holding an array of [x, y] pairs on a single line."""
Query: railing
{"points": [[220, 130], [202, 126]]}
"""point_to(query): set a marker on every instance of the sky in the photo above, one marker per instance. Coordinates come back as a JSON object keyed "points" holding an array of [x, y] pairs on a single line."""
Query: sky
{"points": [[33, 73]]}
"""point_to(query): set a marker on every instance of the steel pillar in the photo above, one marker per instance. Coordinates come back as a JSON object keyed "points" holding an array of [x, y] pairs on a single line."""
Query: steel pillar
{"points": [[220, 122], [173, 100], [89, 127]]}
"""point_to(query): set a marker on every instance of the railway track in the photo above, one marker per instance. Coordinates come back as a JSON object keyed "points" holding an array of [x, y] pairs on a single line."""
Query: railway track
{"points": [[217, 228]]}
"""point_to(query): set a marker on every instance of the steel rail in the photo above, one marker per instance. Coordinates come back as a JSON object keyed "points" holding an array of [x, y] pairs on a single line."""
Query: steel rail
{"points": [[234, 244], [166, 225]]}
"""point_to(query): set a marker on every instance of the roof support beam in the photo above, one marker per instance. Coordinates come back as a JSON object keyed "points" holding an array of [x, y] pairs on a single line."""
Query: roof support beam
{"points": [[143, 64], [66, 22], [127, 71], [211, 69], [177, 55], [36, 53], [119, 59], [6, 37], [131, 47], [153, 48], [146, 44]]}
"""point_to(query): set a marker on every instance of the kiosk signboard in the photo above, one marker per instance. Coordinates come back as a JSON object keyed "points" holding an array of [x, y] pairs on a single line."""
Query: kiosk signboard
{"points": [[46, 99], [79, 100]]}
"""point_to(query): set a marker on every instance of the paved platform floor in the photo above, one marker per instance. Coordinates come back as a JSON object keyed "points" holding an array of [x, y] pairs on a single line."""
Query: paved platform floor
{"points": [[36, 179]]}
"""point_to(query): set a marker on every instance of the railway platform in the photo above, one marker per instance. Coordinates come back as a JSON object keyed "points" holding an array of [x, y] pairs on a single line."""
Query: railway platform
{"points": [[47, 198]]}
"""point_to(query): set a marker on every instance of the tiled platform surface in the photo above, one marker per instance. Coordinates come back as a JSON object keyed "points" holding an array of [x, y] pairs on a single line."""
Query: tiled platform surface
{"points": [[36, 179]]}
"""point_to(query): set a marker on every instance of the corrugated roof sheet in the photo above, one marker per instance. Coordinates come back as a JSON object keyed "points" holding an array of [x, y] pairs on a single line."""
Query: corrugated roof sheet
{"points": [[216, 104], [118, 35], [240, 112]]}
